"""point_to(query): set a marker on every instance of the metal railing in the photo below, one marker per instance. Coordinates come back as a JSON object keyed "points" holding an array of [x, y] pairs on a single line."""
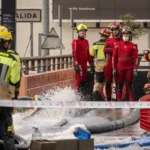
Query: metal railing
{"points": [[46, 63], [50, 63]]}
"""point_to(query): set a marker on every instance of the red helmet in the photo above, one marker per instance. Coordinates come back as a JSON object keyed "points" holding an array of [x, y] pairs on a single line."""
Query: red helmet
{"points": [[105, 32], [115, 25], [147, 88], [147, 54], [126, 29]]}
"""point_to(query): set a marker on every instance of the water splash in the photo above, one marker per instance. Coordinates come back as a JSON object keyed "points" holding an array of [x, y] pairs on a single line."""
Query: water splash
{"points": [[44, 119]]}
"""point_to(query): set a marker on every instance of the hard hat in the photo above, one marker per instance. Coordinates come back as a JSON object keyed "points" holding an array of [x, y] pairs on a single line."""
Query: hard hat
{"points": [[147, 88], [105, 32], [147, 54], [115, 25], [126, 29], [5, 34], [81, 27]]}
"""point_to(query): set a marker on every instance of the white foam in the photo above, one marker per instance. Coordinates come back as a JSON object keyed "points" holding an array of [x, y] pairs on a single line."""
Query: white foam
{"points": [[68, 133]]}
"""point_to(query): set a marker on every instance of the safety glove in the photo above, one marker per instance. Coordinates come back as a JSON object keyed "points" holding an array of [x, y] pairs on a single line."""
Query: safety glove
{"points": [[77, 69], [114, 72], [92, 69]]}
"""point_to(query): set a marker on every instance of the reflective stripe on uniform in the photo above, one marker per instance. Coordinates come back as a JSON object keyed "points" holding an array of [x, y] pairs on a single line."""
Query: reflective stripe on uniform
{"points": [[3, 72], [10, 129]]}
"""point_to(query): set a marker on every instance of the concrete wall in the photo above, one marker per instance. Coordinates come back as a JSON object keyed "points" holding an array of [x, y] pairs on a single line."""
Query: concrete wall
{"points": [[23, 31], [40, 83]]}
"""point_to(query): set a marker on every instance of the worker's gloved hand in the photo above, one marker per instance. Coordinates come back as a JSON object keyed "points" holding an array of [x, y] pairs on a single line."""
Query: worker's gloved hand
{"points": [[145, 51], [114, 72], [92, 69], [77, 69], [134, 73]]}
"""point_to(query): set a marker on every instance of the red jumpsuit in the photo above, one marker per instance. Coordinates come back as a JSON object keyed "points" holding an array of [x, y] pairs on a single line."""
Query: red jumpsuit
{"points": [[80, 50], [108, 49], [125, 59]]}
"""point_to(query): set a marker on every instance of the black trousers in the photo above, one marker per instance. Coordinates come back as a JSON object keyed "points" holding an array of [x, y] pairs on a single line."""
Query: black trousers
{"points": [[6, 129]]}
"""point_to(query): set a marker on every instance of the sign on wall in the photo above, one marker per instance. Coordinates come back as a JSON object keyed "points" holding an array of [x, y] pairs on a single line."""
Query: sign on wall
{"points": [[9, 19], [102, 9], [28, 15]]}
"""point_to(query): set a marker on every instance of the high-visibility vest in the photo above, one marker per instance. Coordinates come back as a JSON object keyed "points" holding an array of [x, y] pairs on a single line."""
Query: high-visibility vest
{"points": [[97, 50]]}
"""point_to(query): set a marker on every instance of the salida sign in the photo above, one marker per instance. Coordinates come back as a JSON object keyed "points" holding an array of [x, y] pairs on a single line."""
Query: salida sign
{"points": [[28, 15]]}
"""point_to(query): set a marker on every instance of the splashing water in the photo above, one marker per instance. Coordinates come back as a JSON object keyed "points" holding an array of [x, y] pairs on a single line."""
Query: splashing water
{"points": [[65, 94], [45, 119]]}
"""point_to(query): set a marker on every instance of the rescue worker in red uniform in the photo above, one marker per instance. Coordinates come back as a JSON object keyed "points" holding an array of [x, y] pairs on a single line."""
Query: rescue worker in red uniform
{"points": [[145, 98], [80, 50], [108, 49], [125, 63], [147, 89], [147, 57]]}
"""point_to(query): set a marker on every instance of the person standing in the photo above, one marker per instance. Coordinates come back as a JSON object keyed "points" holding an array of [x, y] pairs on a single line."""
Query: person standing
{"points": [[97, 53], [115, 27], [9, 76], [147, 57], [125, 63], [81, 55]]}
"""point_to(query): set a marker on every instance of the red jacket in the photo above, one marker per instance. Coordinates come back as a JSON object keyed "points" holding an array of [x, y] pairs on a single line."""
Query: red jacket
{"points": [[80, 50], [108, 49], [125, 55], [145, 98]]}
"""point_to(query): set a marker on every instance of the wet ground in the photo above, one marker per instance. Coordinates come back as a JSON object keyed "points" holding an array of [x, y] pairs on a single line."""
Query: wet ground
{"points": [[92, 117], [45, 120]]}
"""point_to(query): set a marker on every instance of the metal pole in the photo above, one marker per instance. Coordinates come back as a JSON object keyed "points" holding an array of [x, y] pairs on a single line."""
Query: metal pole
{"points": [[73, 33], [45, 22], [31, 28], [60, 25], [72, 22], [148, 36], [39, 45]]}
